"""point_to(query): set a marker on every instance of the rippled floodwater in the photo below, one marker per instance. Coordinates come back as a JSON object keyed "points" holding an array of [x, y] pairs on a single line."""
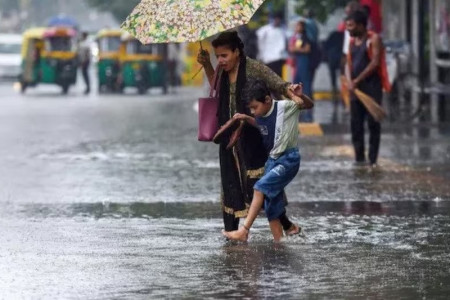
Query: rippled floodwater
{"points": [[101, 251], [113, 197]]}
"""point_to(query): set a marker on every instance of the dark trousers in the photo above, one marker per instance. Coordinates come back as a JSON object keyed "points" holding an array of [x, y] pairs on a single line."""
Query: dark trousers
{"points": [[358, 115], [277, 66], [85, 73]]}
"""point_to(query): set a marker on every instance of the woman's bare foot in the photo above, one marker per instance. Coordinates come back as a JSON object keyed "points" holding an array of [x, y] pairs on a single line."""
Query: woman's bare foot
{"points": [[238, 235]]}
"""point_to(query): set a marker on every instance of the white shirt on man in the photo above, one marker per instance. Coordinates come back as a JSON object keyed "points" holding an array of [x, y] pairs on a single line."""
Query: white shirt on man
{"points": [[271, 43]]}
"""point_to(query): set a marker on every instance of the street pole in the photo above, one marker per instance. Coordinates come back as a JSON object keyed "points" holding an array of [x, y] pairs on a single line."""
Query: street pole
{"points": [[61, 6], [432, 65], [24, 13], [416, 39]]}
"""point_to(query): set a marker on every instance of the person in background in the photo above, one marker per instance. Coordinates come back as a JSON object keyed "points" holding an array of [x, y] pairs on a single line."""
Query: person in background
{"points": [[333, 54], [300, 49], [370, 25], [272, 40], [173, 54], [375, 19], [315, 56], [364, 61], [312, 28], [250, 40], [349, 9], [85, 60]]}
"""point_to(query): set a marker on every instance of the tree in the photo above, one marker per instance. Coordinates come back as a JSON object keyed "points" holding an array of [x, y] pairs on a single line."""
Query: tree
{"points": [[321, 8], [119, 8], [8, 5]]}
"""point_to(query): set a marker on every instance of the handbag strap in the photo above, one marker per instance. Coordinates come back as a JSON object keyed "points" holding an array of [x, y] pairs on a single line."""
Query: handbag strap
{"points": [[216, 83]]}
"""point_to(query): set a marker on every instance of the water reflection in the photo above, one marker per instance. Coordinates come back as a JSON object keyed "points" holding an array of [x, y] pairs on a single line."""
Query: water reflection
{"points": [[152, 250], [255, 270], [210, 210]]}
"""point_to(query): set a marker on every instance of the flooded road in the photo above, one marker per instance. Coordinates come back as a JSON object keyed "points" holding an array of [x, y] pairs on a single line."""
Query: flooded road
{"points": [[112, 197]]}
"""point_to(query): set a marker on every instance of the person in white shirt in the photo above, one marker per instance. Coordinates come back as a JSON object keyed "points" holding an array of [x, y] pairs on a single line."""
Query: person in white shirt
{"points": [[272, 44], [84, 57]]}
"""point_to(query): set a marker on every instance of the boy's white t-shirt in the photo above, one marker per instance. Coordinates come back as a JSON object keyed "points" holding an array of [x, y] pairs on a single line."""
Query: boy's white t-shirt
{"points": [[279, 127]]}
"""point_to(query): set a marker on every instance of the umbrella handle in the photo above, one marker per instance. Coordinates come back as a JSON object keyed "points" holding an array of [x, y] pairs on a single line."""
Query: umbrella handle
{"points": [[195, 75]]}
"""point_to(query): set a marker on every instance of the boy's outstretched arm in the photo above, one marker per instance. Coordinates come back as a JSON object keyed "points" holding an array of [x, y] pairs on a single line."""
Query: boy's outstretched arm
{"points": [[295, 93], [243, 117]]}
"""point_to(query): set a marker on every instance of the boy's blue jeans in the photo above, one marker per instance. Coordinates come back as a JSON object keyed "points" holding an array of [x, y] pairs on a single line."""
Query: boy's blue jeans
{"points": [[277, 175]]}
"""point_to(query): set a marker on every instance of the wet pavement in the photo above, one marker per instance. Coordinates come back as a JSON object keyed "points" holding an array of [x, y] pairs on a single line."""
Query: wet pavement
{"points": [[112, 197]]}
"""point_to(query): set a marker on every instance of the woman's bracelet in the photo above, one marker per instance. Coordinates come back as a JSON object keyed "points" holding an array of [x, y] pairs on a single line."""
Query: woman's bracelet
{"points": [[246, 228]]}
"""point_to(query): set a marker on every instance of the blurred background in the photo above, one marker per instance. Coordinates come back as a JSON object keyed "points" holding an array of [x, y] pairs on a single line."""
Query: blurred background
{"points": [[423, 25]]}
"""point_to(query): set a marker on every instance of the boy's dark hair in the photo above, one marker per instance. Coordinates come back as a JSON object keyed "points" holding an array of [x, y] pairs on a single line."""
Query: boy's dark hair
{"points": [[256, 90], [231, 40], [359, 17]]}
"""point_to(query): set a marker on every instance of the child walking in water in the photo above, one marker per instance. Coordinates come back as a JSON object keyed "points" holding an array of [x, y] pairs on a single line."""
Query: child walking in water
{"points": [[277, 121]]}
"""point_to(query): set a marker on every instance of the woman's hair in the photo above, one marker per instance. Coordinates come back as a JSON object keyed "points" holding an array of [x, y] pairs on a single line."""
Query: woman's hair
{"points": [[231, 40], [256, 90], [303, 23]]}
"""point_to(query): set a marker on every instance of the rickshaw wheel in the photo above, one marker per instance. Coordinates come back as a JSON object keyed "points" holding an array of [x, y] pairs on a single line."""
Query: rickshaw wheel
{"points": [[121, 88], [65, 89], [101, 88], [23, 87], [142, 90]]}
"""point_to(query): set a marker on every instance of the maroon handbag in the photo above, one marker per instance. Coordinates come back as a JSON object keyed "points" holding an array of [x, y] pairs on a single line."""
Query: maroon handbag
{"points": [[208, 122]]}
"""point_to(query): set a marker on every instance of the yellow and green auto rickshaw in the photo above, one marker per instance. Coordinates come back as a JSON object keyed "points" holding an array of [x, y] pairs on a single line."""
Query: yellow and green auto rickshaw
{"points": [[49, 56], [108, 67], [142, 66]]}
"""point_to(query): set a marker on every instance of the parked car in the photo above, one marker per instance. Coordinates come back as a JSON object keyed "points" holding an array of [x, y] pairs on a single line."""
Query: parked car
{"points": [[10, 58]]}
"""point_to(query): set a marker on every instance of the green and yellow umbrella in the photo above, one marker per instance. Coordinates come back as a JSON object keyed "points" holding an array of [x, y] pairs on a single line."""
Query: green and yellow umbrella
{"points": [[166, 21]]}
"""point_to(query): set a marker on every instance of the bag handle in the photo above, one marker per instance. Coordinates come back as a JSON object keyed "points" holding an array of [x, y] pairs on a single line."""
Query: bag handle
{"points": [[216, 83]]}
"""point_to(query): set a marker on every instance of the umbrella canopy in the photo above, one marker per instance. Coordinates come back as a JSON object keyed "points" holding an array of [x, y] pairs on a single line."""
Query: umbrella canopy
{"points": [[165, 21]]}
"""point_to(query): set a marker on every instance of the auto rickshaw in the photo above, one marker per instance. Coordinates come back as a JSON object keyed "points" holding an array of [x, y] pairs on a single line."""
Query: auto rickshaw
{"points": [[49, 56], [142, 66], [108, 67]]}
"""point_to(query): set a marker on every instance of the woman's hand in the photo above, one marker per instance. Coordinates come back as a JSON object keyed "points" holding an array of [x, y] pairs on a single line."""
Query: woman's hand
{"points": [[245, 118], [241, 117], [203, 57]]}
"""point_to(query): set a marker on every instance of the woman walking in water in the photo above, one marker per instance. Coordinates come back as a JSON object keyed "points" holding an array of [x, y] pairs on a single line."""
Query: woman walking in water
{"points": [[243, 164]]}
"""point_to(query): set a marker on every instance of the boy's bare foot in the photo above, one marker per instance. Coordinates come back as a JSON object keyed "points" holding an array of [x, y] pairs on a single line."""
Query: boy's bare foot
{"points": [[276, 229], [238, 235], [295, 229]]}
